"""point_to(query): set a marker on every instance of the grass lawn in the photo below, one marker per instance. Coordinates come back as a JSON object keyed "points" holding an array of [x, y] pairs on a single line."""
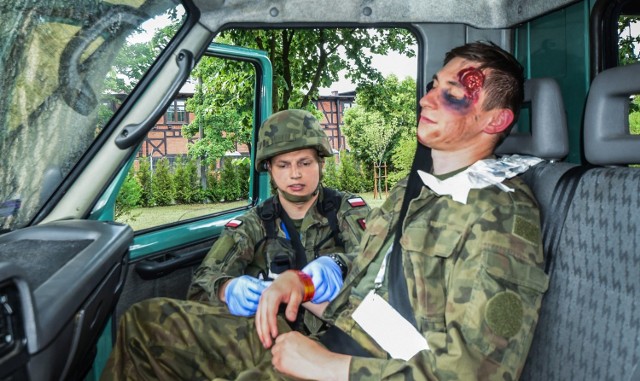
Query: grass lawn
{"points": [[142, 218]]}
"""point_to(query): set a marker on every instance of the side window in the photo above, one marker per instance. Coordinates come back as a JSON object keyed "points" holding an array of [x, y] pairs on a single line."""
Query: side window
{"points": [[196, 160], [359, 83], [629, 53]]}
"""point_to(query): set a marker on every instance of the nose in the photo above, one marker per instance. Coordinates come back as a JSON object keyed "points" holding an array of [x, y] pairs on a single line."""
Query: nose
{"points": [[428, 100], [295, 172]]}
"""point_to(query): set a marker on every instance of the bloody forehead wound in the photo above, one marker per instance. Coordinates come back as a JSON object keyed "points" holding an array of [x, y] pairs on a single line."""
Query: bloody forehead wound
{"points": [[472, 79]]}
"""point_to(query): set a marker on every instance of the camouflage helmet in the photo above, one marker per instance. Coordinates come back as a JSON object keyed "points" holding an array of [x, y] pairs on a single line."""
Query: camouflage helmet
{"points": [[290, 130]]}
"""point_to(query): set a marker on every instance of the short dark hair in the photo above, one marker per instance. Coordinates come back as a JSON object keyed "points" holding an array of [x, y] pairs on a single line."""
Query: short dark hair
{"points": [[504, 84]]}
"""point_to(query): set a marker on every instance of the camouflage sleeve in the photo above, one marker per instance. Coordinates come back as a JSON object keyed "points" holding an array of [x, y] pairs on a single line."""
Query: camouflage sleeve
{"points": [[487, 298], [352, 220], [228, 258]]}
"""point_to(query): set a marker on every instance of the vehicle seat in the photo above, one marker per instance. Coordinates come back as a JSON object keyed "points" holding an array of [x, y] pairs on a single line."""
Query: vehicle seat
{"points": [[547, 138], [589, 327]]}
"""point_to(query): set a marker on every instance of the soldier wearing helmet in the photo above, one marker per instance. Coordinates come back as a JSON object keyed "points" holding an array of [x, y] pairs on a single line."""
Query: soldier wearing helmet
{"points": [[302, 227]]}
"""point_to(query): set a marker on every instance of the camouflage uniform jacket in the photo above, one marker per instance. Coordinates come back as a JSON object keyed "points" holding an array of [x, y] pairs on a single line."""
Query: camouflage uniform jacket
{"points": [[475, 280], [243, 249]]}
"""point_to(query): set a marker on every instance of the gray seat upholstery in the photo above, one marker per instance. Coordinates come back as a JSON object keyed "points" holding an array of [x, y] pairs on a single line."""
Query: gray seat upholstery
{"points": [[589, 327], [548, 138]]}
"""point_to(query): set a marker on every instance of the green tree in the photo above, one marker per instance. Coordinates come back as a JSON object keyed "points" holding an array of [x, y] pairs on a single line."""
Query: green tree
{"points": [[402, 158], [229, 181], [395, 99], [306, 59], [186, 181], [129, 66], [330, 173], [129, 196], [628, 43], [214, 191], [223, 112], [162, 183], [144, 178], [371, 137], [634, 117], [628, 47], [303, 61], [351, 176]]}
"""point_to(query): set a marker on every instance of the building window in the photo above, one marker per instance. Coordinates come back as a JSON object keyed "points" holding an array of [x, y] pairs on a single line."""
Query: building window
{"points": [[176, 112]]}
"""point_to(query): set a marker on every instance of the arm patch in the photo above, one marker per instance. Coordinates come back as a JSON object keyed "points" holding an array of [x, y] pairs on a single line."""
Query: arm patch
{"points": [[233, 224], [356, 202]]}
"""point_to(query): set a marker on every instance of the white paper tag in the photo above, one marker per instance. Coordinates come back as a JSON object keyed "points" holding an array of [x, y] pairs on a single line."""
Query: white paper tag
{"points": [[388, 328]]}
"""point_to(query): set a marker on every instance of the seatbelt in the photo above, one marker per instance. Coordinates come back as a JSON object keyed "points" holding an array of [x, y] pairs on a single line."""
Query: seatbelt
{"points": [[334, 338], [301, 255], [397, 284], [553, 223], [329, 206]]}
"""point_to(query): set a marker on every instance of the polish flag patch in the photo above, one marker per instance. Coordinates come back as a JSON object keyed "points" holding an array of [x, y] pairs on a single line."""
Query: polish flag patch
{"points": [[356, 202], [233, 223], [363, 223]]}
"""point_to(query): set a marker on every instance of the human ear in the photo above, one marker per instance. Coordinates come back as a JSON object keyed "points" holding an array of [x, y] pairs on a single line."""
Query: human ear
{"points": [[500, 121]]}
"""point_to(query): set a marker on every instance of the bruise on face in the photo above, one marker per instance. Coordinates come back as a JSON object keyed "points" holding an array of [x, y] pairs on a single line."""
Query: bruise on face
{"points": [[471, 80]]}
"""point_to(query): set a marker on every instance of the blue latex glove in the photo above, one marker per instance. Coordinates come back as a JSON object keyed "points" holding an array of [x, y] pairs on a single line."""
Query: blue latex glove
{"points": [[242, 295], [327, 278]]}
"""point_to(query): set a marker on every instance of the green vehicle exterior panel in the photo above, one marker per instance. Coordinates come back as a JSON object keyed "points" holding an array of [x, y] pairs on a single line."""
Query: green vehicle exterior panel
{"points": [[557, 46]]}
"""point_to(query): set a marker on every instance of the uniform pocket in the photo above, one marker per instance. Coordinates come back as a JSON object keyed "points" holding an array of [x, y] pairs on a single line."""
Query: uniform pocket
{"points": [[430, 248], [503, 306]]}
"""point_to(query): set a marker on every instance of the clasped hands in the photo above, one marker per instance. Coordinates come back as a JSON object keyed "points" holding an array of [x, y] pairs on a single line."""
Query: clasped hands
{"points": [[242, 294], [293, 353]]}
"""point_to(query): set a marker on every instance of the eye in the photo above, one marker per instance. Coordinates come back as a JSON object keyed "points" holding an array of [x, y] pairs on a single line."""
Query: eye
{"points": [[429, 87]]}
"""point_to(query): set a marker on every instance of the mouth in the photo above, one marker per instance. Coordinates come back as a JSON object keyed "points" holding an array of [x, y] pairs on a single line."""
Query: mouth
{"points": [[296, 187], [425, 119]]}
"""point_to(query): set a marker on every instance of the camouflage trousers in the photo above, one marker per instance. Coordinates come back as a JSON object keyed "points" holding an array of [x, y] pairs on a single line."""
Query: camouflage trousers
{"points": [[168, 339]]}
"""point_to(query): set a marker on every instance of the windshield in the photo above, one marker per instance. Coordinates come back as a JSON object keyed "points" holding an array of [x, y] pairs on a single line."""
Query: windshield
{"points": [[65, 67]]}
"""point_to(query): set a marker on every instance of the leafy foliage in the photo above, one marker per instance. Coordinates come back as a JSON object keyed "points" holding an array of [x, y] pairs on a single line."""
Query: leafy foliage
{"points": [[628, 47], [351, 174], [380, 116], [402, 158], [129, 196], [634, 117], [187, 183], [144, 179], [162, 183], [628, 43], [330, 177], [306, 59], [223, 108], [394, 98]]}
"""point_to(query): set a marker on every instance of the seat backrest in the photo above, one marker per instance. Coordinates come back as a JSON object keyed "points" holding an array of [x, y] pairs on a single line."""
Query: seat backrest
{"points": [[607, 140], [589, 327], [548, 138]]}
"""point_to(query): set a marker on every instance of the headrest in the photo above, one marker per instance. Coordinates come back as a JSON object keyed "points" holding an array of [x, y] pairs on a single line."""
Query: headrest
{"points": [[549, 136], [607, 140]]}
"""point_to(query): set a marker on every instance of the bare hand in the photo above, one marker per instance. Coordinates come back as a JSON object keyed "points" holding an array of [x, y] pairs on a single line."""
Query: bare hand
{"points": [[296, 355], [288, 289]]}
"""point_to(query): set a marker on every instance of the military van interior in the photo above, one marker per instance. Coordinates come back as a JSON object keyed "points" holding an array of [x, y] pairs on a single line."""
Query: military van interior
{"points": [[81, 105]]}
